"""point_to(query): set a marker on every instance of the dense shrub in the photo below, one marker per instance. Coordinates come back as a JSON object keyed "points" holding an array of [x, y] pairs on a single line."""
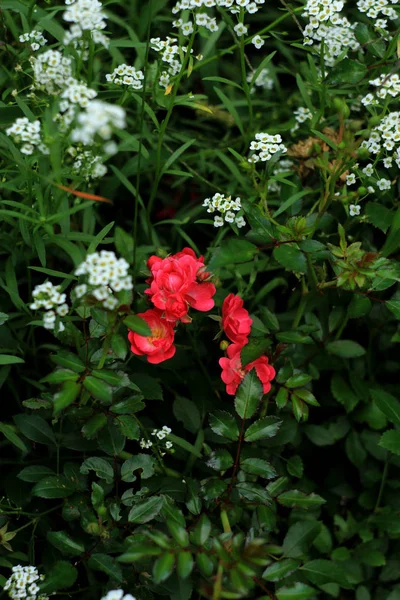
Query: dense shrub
{"points": [[199, 326]]}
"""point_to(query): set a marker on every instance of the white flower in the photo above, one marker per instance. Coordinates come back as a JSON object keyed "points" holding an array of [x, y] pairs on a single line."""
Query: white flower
{"points": [[99, 119], [383, 184], [368, 170], [23, 584], [117, 595], [218, 221], [258, 42], [240, 29], [240, 222], [354, 210], [301, 114], [267, 145], [351, 179]]}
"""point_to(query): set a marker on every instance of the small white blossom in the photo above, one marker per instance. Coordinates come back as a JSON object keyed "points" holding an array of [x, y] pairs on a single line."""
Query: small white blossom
{"points": [[99, 119], [240, 29], [117, 595], [354, 210], [226, 206], [125, 75], [264, 146], [351, 179], [258, 42], [35, 38], [383, 184], [23, 584]]}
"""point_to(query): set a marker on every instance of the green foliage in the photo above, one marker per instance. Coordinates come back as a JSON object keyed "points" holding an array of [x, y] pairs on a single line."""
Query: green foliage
{"points": [[155, 477]]}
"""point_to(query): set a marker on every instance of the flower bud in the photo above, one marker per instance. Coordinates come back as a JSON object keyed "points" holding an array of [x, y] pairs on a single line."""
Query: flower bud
{"points": [[373, 121], [362, 190], [223, 345], [340, 105], [363, 153]]}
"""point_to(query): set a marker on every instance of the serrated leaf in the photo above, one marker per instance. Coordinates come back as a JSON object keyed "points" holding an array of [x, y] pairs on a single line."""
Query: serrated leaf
{"points": [[146, 511], [149, 387], [291, 258], [35, 428], [346, 71], [390, 440], [388, 404], [343, 393], [107, 564], [280, 569], [224, 424], [142, 462], [296, 591], [345, 349], [394, 307], [258, 466], [322, 571], [266, 427], [248, 395], [102, 468], [62, 575], [98, 389], [295, 498], [295, 466], [66, 396], [10, 434], [63, 542], [53, 487], [34, 474], [299, 537], [380, 216]]}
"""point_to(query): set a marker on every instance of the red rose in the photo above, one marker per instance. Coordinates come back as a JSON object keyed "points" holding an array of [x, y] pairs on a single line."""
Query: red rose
{"points": [[236, 322], [177, 283], [159, 346], [233, 372]]}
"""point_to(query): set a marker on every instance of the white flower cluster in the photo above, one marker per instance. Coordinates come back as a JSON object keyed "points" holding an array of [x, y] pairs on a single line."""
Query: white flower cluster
{"points": [[387, 85], [99, 119], [301, 115], [234, 6], [117, 595], [86, 15], [327, 25], [87, 164], [51, 70], [76, 92], [105, 274], [169, 51], [48, 297], [226, 207], [263, 80], [161, 434], [126, 75], [386, 136], [375, 8], [23, 583], [35, 38], [264, 146], [284, 166], [201, 20], [28, 132]]}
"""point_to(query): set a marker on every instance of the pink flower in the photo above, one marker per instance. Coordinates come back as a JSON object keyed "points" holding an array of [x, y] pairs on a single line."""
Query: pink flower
{"points": [[178, 283], [233, 372], [160, 345], [236, 322]]}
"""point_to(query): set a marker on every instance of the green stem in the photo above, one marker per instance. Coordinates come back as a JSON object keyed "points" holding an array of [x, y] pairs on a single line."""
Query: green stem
{"points": [[302, 306], [383, 481], [225, 522], [164, 126], [218, 583], [245, 85]]}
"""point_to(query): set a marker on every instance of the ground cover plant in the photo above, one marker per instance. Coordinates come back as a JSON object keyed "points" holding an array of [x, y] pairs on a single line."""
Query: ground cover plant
{"points": [[199, 324]]}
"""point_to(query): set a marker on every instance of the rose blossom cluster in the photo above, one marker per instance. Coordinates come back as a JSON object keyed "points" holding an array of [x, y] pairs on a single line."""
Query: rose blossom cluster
{"points": [[178, 283], [236, 323]]}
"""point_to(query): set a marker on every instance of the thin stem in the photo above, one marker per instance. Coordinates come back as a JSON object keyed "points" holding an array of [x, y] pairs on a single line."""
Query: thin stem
{"points": [[383, 481], [225, 522], [302, 306], [245, 85], [218, 582], [141, 121]]}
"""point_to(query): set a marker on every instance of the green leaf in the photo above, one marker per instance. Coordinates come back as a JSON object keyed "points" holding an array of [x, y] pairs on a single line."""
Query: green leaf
{"points": [[346, 71], [394, 307], [280, 569], [343, 393], [321, 571], [224, 424], [299, 538], [354, 449], [345, 349], [255, 348], [393, 239], [177, 154], [380, 216], [63, 542], [295, 466], [388, 404], [149, 386], [232, 252], [138, 325], [60, 376], [98, 389], [66, 396], [306, 396], [9, 433], [35, 428], [102, 468], [93, 426], [107, 564], [163, 566], [187, 412], [296, 591], [359, 306], [34, 474], [178, 532], [266, 427], [202, 531], [53, 487], [184, 564], [291, 258], [69, 361], [128, 427], [110, 439], [390, 440], [146, 511], [258, 466], [143, 463], [298, 380], [8, 359], [248, 396], [295, 498], [62, 575]]}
